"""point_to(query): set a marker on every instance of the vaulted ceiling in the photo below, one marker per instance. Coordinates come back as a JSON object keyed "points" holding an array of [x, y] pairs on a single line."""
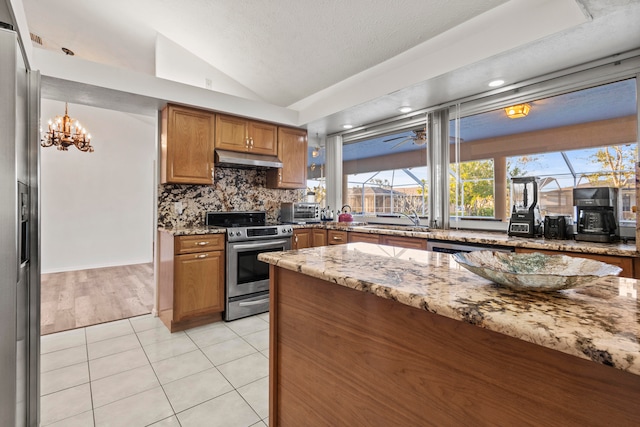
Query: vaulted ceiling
{"points": [[335, 62]]}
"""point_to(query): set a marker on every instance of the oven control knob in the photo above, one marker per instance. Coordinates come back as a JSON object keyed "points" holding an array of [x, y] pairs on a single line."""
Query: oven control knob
{"points": [[290, 230]]}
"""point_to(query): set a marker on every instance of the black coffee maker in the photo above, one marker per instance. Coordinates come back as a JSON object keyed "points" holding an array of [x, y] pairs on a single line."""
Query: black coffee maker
{"points": [[597, 213]]}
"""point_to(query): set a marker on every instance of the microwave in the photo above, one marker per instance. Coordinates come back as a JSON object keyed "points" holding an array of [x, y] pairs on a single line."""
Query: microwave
{"points": [[302, 212]]}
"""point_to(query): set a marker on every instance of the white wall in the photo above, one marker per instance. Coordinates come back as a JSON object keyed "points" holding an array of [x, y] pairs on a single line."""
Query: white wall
{"points": [[98, 208], [173, 62]]}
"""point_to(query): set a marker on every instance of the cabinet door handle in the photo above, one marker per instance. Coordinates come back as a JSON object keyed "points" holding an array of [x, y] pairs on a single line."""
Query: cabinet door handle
{"points": [[337, 238], [280, 176], [251, 142], [246, 142], [202, 256], [295, 238], [202, 243]]}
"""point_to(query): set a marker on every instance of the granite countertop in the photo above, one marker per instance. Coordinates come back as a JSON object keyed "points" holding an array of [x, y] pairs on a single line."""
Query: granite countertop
{"points": [[599, 322], [458, 236], [188, 231], [489, 238]]}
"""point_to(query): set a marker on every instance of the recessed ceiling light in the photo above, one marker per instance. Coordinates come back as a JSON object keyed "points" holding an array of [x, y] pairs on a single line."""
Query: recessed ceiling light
{"points": [[347, 126], [496, 83], [404, 109]]}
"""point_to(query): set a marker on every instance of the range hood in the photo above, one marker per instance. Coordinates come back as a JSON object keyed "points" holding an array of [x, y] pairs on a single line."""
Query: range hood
{"points": [[245, 160]]}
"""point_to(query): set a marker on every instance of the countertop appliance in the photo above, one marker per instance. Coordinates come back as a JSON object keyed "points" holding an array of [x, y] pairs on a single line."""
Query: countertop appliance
{"points": [[526, 220], [558, 227], [247, 278], [19, 238], [597, 213], [345, 216], [300, 212]]}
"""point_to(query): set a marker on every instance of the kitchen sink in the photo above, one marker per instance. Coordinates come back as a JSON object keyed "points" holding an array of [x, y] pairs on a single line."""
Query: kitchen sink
{"points": [[398, 227]]}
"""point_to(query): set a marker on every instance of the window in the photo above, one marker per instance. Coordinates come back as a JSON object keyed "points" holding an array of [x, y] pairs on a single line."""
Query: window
{"points": [[316, 181], [387, 175], [573, 136], [585, 138]]}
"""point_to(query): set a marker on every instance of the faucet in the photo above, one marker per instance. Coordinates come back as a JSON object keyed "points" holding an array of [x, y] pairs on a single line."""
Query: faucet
{"points": [[414, 218]]}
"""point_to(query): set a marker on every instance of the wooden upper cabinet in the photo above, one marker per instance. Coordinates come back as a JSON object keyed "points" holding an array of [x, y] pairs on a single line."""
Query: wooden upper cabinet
{"points": [[187, 145], [292, 152], [263, 138], [246, 136]]}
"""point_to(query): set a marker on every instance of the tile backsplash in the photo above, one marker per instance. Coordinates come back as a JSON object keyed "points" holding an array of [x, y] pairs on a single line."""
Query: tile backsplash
{"points": [[232, 190]]}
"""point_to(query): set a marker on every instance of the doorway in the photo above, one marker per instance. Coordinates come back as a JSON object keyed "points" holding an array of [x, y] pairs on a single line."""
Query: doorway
{"points": [[97, 220]]}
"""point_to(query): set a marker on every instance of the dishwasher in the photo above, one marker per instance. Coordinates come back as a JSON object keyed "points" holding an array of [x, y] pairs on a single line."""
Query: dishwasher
{"points": [[454, 247]]}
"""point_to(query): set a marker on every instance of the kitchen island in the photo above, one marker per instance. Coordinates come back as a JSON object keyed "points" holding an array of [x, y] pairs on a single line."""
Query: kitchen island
{"points": [[365, 334]]}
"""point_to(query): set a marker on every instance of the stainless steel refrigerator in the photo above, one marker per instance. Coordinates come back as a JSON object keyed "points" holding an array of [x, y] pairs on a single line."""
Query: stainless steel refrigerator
{"points": [[19, 236]]}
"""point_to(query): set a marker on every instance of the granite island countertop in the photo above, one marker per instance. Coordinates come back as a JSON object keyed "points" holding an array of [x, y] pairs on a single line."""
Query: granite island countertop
{"points": [[599, 322]]}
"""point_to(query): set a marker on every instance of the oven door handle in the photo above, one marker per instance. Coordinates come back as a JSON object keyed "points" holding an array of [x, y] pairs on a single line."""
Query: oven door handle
{"points": [[260, 301], [256, 245]]}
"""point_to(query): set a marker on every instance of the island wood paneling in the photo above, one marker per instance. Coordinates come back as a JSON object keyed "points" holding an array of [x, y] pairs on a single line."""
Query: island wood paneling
{"points": [[341, 357]]}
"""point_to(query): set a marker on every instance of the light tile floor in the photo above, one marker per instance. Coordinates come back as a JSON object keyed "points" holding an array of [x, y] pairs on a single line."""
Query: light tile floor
{"points": [[133, 372]]}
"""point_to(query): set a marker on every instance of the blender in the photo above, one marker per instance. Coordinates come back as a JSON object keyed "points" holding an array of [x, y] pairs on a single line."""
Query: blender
{"points": [[526, 220]]}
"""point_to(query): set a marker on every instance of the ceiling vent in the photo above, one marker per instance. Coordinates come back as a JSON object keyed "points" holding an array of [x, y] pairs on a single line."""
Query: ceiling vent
{"points": [[36, 39]]}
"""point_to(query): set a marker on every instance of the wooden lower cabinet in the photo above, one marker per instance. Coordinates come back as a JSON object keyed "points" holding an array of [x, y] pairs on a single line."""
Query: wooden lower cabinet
{"points": [[626, 263], [301, 238], [308, 238], [337, 237], [193, 293], [403, 242], [318, 237], [355, 236], [191, 280]]}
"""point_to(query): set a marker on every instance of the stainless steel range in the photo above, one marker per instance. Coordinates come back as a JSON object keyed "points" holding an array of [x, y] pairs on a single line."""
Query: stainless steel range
{"points": [[247, 279]]}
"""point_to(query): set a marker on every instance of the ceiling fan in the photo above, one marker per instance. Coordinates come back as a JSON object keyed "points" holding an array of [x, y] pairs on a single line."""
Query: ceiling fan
{"points": [[419, 138]]}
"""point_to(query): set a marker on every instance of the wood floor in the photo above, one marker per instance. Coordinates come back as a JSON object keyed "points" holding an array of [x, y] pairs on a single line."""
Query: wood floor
{"points": [[81, 298]]}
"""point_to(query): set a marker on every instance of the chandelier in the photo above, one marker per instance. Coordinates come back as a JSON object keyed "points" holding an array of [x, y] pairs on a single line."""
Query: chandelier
{"points": [[65, 131]]}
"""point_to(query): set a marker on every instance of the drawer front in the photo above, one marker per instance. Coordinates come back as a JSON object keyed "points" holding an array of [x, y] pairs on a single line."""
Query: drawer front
{"points": [[199, 243], [337, 237], [404, 242], [363, 237]]}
